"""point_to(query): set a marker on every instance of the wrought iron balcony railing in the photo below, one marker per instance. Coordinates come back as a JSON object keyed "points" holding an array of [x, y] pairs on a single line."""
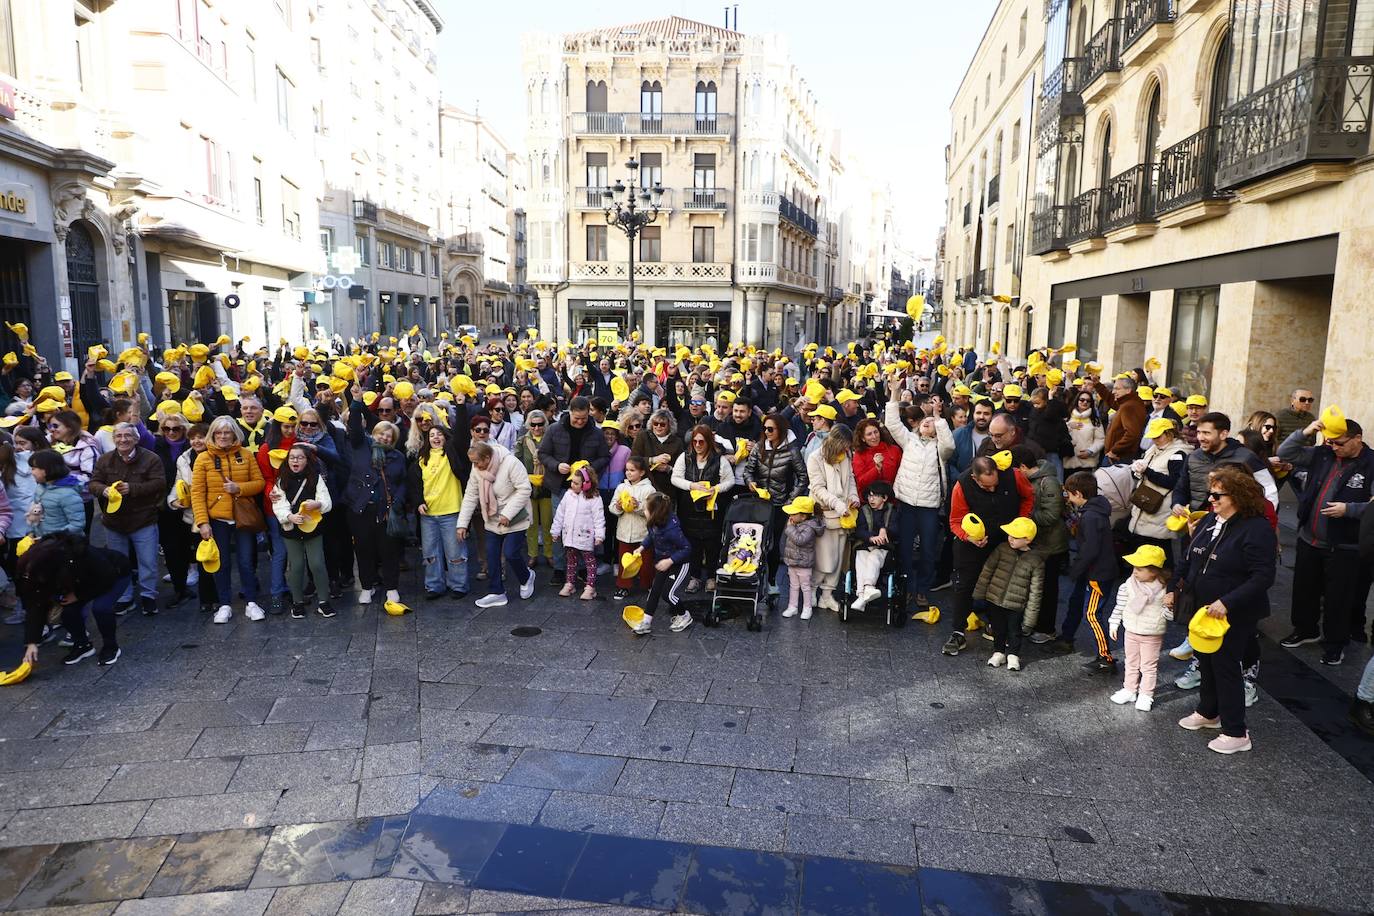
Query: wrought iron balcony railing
{"points": [[1188, 172], [674, 124], [365, 210], [1060, 96], [1129, 198], [1047, 230], [1103, 52], [1318, 112], [797, 216], [1083, 220], [705, 198], [1137, 16]]}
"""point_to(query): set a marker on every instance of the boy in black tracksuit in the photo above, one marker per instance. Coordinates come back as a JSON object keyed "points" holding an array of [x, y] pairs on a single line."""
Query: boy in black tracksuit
{"points": [[1094, 569]]}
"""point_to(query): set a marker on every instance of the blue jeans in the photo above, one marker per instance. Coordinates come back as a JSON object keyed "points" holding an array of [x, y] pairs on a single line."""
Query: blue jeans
{"points": [[279, 583], [240, 543], [918, 523], [1056, 462], [102, 609], [1365, 691], [446, 557], [143, 543], [512, 547]]}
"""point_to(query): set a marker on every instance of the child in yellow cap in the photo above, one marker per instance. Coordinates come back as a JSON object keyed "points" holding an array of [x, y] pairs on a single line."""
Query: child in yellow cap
{"points": [[798, 552], [1140, 609], [1011, 583]]}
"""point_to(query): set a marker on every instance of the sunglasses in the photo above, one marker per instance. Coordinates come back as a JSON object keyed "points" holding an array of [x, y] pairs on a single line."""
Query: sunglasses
{"points": [[1268, 426], [494, 409], [172, 429], [1306, 400], [306, 424], [1161, 397], [536, 426], [386, 410], [1213, 496], [698, 403], [481, 429]]}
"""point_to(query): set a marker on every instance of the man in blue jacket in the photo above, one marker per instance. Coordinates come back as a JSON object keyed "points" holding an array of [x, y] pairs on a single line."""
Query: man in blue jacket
{"points": [[1340, 483]]}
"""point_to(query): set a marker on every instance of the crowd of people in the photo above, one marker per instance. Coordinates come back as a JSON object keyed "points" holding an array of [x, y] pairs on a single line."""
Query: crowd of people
{"points": [[891, 473]]}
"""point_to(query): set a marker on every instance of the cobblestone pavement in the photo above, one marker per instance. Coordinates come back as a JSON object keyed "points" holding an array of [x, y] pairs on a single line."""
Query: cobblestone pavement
{"points": [[847, 741]]}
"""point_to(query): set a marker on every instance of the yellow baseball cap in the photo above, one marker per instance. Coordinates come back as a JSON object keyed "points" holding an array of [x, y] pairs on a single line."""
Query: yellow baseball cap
{"points": [[1158, 427], [803, 505], [823, 410], [1146, 555], [1021, 528]]}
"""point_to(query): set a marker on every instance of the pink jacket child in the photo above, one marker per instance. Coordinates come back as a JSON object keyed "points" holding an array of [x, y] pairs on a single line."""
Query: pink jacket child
{"points": [[581, 518]]}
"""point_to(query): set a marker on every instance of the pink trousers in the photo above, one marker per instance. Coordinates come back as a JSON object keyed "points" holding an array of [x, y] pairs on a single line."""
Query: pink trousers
{"points": [[1142, 662]]}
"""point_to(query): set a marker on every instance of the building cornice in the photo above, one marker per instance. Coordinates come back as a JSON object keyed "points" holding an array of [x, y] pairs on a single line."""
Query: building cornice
{"points": [[426, 7]]}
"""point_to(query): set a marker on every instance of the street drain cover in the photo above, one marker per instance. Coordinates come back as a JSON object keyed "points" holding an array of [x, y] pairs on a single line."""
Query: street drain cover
{"points": [[526, 631]]}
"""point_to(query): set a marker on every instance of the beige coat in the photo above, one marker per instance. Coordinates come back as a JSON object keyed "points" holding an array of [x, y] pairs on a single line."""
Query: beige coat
{"points": [[512, 490], [832, 487]]}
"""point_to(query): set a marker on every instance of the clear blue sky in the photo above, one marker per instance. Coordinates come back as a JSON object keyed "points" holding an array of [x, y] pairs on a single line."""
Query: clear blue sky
{"points": [[850, 52]]}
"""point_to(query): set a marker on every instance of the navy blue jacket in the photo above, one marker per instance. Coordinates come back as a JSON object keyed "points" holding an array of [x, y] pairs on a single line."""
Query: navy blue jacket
{"points": [[1237, 567], [865, 530], [667, 540], [366, 486], [1353, 485], [1096, 558]]}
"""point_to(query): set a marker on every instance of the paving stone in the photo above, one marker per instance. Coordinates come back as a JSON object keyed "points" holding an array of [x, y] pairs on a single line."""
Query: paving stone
{"points": [[860, 762], [170, 778], [1051, 817], [745, 693], [718, 826], [794, 793], [105, 720], [281, 771], [700, 717], [850, 838], [481, 801], [437, 899], [81, 909], [392, 728], [17, 866], [635, 817], [204, 862], [388, 795], [491, 674], [34, 789], [513, 701], [207, 812], [445, 696], [749, 751], [136, 747], [565, 770], [94, 872], [41, 753], [926, 806], [995, 854], [652, 743], [1126, 866], [71, 824], [332, 736], [663, 687], [391, 759], [588, 708], [532, 731], [251, 739], [332, 851], [318, 709], [455, 725], [467, 759], [381, 895], [29, 723], [208, 713], [309, 900], [223, 903], [314, 804], [670, 781]]}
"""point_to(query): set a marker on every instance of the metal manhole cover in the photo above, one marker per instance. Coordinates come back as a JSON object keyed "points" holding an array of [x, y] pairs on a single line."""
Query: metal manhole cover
{"points": [[526, 631]]}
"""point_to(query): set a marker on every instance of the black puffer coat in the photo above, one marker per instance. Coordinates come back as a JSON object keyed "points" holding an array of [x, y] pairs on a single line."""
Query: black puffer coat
{"points": [[781, 471]]}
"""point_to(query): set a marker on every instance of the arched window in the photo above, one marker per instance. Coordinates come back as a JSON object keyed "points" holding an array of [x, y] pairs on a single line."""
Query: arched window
{"points": [[545, 98], [706, 107], [545, 176], [1216, 99], [596, 95], [1068, 188], [1104, 156], [651, 104], [1149, 153], [756, 100]]}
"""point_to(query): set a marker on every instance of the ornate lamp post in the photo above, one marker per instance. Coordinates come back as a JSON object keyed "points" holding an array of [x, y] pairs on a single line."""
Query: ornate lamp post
{"points": [[630, 209]]}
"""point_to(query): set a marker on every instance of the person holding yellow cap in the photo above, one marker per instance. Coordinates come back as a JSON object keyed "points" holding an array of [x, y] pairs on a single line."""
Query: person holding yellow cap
{"points": [[1011, 582], [1227, 570], [130, 518], [1157, 473], [1161, 401], [1141, 610]]}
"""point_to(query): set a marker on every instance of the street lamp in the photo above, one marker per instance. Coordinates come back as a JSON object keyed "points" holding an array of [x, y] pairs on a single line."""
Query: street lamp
{"points": [[630, 209]]}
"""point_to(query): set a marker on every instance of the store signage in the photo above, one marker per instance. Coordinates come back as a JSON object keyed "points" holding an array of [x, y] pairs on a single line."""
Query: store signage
{"points": [[680, 305], [602, 304], [16, 202], [7, 101]]}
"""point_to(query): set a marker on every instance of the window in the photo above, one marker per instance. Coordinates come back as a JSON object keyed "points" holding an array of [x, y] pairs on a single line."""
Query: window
{"points": [[1002, 67], [1089, 324], [596, 96], [596, 243], [290, 209], [257, 190], [1016, 141], [327, 241], [1194, 339], [434, 263], [6, 38], [1021, 34], [1150, 154], [987, 91], [651, 104], [703, 244], [284, 88], [704, 170], [751, 241], [1011, 242], [596, 177], [365, 250], [651, 243], [706, 107], [250, 60], [212, 171], [1059, 313], [650, 169], [766, 242], [232, 180]]}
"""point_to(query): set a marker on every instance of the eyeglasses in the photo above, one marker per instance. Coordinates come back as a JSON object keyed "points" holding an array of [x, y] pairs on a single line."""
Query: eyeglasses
{"points": [[306, 424], [1305, 400], [771, 429], [1161, 397], [55, 426], [698, 403], [1268, 426], [386, 410], [481, 429], [1213, 496], [698, 441], [171, 429]]}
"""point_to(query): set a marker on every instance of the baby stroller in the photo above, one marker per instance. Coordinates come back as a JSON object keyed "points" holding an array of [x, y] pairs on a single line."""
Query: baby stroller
{"points": [[746, 517]]}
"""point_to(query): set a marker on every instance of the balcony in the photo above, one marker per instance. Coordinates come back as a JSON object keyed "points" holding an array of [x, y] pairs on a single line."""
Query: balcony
{"points": [[798, 279], [834, 294], [994, 190], [1320, 112], [705, 199], [1138, 19], [798, 217], [1059, 96], [634, 123], [795, 150], [650, 271], [589, 198], [1083, 219], [1102, 56], [1188, 175], [1129, 200], [365, 211]]}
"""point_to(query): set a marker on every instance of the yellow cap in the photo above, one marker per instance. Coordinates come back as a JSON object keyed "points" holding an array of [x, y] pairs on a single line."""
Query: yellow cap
{"points": [[973, 526], [630, 564], [1196, 400], [846, 395], [1146, 393], [285, 414], [1205, 632], [403, 390], [1158, 427], [1146, 555], [1002, 459], [1333, 423], [113, 500], [1020, 528], [800, 505], [395, 608], [208, 555], [170, 382], [633, 614], [1012, 391], [823, 410]]}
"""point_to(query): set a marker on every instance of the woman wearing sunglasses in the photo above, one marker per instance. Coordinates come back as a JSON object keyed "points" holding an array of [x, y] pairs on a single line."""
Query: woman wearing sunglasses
{"points": [[541, 499]]}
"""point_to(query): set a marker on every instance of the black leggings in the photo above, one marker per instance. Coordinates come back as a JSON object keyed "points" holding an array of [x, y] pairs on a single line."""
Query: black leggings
{"points": [[375, 549], [174, 535], [338, 547]]}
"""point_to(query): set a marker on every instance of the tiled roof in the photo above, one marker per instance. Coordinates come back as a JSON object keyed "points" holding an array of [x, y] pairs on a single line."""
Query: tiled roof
{"points": [[669, 27]]}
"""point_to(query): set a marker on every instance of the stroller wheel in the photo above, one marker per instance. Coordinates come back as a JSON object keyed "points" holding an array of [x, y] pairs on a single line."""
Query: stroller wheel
{"points": [[754, 625]]}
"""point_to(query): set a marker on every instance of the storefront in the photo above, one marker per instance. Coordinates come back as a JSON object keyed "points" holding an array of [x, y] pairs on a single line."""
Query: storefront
{"points": [[691, 323], [598, 319]]}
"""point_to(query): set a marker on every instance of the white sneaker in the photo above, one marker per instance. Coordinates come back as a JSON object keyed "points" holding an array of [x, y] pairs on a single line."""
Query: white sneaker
{"points": [[1183, 651], [527, 590], [223, 614], [496, 600], [681, 622], [998, 660], [1190, 679], [1143, 703], [1123, 696], [365, 596], [790, 612], [1251, 693], [393, 596], [806, 613], [645, 627], [253, 612], [1013, 663]]}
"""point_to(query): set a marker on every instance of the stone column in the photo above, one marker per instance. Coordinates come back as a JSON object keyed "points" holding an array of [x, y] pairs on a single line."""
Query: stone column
{"points": [[1272, 337], [1071, 323], [1159, 328], [737, 310], [1347, 341], [548, 306], [1121, 332], [756, 302], [650, 318]]}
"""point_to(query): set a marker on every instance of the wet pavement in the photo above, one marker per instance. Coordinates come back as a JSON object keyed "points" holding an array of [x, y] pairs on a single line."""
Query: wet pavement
{"points": [[455, 761]]}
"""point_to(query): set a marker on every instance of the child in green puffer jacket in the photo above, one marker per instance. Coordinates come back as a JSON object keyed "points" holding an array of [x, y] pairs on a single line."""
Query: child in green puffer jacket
{"points": [[1011, 583]]}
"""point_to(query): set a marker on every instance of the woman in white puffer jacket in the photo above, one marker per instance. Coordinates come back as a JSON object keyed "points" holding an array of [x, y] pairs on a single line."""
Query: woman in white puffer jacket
{"points": [[920, 487]]}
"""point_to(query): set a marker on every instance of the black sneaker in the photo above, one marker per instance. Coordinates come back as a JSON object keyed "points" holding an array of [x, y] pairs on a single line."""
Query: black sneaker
{"points": [[176, 600], [207, 607], [297, 611], [1058, 646], [621, 594], [1333, 657], [955, 644], [324, 610], [149, 606], [336, 592], [78, 653], [1362, 714], [433, 596], [559, 577], [123, 607], [1295, 639], [108, 656], [66, 640], [1103, 664], [277, 606], [457, 595]]}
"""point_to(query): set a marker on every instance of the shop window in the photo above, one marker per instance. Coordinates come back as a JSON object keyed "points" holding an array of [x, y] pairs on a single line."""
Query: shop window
{"points": [[651, 243], [1089, 324], [1193, 341], [1059, 314]]}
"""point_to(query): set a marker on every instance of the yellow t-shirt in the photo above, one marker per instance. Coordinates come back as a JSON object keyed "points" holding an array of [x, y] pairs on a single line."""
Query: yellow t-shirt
{"points": [[443, 491]]}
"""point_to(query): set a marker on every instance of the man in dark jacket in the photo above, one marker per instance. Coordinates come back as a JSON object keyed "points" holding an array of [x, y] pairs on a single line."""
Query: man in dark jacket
{"points": [[1362, 711], [1215, 446], [1340, 483], [1122, 444], [573, 438], [1049, 429], [131, 522], [1093, 571]]}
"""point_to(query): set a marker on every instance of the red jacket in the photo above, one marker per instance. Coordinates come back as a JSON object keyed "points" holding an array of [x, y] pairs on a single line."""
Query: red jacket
{"points": [[269, 473], [867, 473]]}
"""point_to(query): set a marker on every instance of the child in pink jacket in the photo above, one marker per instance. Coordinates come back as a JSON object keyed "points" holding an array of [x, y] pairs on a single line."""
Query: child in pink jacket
{"points": [[581, 523]]}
